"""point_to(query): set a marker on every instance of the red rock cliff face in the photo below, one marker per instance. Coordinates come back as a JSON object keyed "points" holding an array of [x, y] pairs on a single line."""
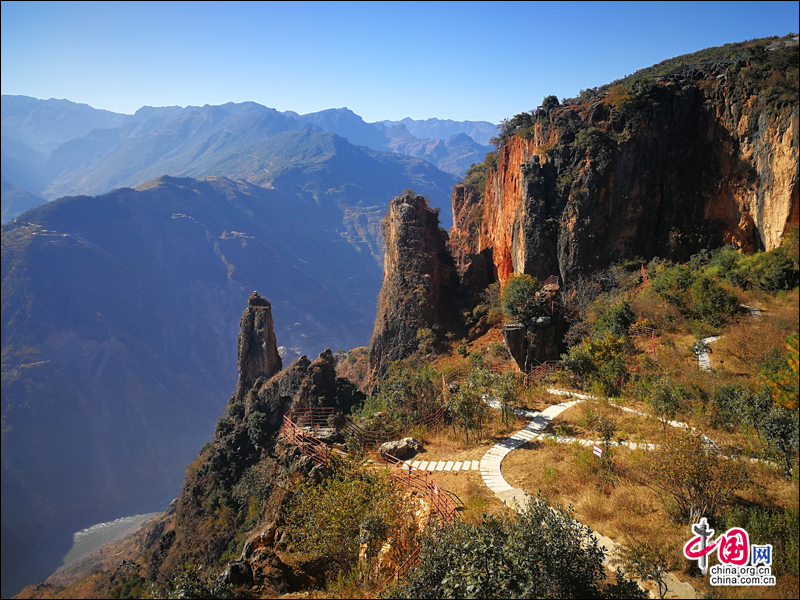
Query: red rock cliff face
{"points": [[698, 166], [420, 285]]}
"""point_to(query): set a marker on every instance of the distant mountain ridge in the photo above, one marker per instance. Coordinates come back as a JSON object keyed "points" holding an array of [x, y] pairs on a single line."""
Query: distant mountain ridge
{"points": [[480, 131], [93, 151]]}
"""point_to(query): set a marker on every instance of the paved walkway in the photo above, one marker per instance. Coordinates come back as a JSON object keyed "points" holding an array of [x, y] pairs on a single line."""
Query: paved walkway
{"points": [[703, 361], [446, 465], [517, 498]]}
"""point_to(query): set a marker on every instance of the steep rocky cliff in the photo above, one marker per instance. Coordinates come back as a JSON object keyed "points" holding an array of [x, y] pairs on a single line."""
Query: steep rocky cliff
{"points": [[664, 169], [420, 285]]}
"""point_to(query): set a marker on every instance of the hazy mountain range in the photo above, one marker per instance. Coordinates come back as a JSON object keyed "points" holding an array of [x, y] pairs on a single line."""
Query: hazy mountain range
{"points": [[54, 148]]}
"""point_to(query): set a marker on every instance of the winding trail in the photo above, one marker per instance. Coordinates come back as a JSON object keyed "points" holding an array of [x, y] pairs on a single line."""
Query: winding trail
{"points": [[517, 498]]}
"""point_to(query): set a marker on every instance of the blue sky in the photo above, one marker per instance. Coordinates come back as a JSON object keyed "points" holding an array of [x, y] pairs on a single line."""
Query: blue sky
{"points": [[457, 60]]}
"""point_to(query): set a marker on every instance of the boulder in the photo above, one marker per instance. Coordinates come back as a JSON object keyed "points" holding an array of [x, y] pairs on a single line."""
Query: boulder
{"points": [[402, 449], [238, 572]]}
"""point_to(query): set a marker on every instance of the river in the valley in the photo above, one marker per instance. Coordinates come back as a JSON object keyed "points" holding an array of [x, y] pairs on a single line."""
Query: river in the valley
{"points": [[90, 539]]}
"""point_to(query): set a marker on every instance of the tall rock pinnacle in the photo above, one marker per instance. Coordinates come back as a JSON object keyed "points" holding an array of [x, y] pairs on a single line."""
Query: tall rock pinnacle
{"points": [[257, 347], [420, 285]]}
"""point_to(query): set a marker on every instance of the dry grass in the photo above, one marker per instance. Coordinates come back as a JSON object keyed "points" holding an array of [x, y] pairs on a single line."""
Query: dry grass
{"points": [[577, 422], [570, 474]]}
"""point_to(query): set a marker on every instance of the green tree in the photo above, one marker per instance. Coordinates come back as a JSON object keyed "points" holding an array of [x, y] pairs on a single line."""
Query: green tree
{"points": [[733, 405], [507, 389], [467, 408], [645, 561], [673, 284], [616, 319], [410, 394], [258, 428], [780, 428], [519, 298], [352, 507], [783, 382], [543, 553], [691, 477], [549, 103], [665, 400], [712, 303]]}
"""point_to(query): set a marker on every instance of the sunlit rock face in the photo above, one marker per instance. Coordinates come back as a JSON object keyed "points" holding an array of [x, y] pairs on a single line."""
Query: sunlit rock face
{"points": [[698, 165]]}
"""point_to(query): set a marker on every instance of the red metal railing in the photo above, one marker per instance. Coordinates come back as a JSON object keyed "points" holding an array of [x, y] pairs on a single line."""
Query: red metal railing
{"points": [[547, 367], [551, 281], [298, 420], [401, 471], [412, 562], [419, 480], [295, 434], [640, 329]]}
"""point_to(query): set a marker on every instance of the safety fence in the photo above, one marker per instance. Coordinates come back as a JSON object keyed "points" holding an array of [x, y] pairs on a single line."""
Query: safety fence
{"points": [[295, 424], [547, 367], [641, 329]]}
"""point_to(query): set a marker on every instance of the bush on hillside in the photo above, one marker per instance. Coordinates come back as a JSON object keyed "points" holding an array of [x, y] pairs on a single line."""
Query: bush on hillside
{"points": [[519, 298], [616, 319], [692, 479], [333, 519], [410, 394], [711, 302], [543, 553]]}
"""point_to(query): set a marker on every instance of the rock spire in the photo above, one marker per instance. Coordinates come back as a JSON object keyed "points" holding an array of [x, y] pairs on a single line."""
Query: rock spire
{"points": [[257, 347]]}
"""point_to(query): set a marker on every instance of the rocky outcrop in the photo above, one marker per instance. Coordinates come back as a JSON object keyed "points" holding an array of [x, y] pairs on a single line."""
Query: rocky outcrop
{"points": [[692, 164], [247, 453], [257, 347], [420, 285], [402, 449], [535, 341]]}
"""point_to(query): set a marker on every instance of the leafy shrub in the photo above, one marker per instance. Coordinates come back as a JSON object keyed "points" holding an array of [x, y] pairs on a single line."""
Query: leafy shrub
{"points": [[782, 379], [425, 340], [692, 479], [544, 553], [519, 298], [409, 394], [550, 103], [476, 175], [616, 319], [599, 361], [780, 428], [498, 349], [712, 303], [476, 359], [590, 139], [776, 526], [189, 581], [665, 400], [353, 506], [223, 427], [236, 410], [733, 405], [258, 428], [673, 284]]}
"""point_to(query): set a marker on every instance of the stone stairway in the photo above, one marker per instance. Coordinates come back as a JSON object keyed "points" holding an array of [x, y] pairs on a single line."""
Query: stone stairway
{"points": [[446, 465]]}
